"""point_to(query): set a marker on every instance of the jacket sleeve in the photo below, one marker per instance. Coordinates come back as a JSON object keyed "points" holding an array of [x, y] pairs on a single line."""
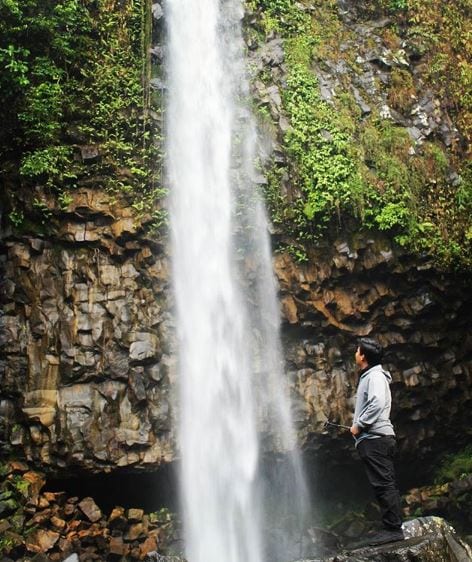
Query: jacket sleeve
{"points": [[375, 403]]}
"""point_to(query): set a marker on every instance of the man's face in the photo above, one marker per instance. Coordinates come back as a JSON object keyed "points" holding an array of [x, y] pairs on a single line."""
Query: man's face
{"points": [[359, 357]]}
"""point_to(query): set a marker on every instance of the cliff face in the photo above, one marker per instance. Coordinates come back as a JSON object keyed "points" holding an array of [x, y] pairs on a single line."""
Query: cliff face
{"points": [[88, 370], [85, 377], [87, 353], [364, 285]]}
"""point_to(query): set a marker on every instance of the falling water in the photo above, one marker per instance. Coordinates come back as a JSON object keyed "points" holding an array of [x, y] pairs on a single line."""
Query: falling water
{"points": [[227, 314]]}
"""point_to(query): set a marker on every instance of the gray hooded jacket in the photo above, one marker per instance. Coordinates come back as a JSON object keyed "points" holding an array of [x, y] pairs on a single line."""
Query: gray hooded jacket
{"points": [[373, 403]]}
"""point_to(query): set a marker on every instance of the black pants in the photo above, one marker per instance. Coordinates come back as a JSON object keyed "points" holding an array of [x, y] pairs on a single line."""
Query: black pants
{"points": [[377, 456]]}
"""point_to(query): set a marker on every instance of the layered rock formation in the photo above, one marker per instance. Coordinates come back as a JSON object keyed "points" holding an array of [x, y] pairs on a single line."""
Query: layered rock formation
{"points": [[85, 364], [366, 286]]}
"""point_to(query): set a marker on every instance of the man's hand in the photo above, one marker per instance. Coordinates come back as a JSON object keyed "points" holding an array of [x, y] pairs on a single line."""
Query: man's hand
{"points": [[355, 429]]}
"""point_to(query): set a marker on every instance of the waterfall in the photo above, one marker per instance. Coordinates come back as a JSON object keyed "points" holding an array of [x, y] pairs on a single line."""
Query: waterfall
{"points": [[230, 371]]}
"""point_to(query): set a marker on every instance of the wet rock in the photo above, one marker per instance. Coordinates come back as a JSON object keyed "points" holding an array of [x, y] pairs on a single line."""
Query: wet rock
{"points": [[289, 309], [158, 84], [157, 11], [156, 557], [35, 481], [125, 226], [272, 52], [427, 539], [149, 545]]}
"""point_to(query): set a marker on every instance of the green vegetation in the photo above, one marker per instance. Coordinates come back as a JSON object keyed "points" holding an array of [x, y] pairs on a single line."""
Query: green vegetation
{"points": [[74, 77], [342, 165], [75, 112], [14, 494], [455, 466], [318, 142], [20, 485]]}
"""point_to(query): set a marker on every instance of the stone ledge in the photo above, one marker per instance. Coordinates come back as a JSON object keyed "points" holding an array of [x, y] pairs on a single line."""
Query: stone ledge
{"points": [[428, 539]]}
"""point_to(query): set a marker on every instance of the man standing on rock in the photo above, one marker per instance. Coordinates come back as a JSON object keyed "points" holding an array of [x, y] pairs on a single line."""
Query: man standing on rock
{"points": [[375, 438]]}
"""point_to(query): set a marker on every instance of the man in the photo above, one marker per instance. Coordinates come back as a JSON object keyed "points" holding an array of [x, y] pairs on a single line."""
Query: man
{"points": [[375, 438]]}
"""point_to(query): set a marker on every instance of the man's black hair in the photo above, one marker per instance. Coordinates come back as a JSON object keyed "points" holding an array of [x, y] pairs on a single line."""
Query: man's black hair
{"points": [[371, 350]]}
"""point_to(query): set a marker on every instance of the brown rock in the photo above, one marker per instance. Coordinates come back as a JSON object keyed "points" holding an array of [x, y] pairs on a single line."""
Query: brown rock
{"points": [[117, 519], [18, 466], [20, 255], [41, 540], [134, 532], [146, 524], [89, 534], [4, 525], [65, 545], [149, 545], [117, 546], [90, 509], [289, 309], [69, 509], [36, 482], [55, 497], [43, 502], [74, 525], [117, 511], [134, 553], [58, 523], [126, 225], [135, 515], [40, 517]]}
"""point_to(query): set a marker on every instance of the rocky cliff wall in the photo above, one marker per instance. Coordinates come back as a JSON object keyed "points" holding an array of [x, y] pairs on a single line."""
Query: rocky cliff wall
{"points": [[366, 286], [88, 369], [84, 371]]}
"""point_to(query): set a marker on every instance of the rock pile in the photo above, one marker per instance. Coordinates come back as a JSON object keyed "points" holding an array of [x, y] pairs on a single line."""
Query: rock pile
{"points": [[50, 526], [451, 500]]}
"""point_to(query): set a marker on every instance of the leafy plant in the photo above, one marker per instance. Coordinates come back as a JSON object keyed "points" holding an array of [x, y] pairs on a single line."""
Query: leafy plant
{"points": [[16, 217], [65, 199], [455, 466]]}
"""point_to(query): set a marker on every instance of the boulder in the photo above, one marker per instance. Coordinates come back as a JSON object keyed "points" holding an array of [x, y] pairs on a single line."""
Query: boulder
{"points": [[428, 539]]}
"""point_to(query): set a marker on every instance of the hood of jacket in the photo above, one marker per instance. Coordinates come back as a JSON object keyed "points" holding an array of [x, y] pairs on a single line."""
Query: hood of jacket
{"points": [[375, 369]]}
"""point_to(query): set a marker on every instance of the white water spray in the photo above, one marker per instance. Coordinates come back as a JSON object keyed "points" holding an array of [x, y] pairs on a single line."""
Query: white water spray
{"points": [[230, 364]]}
